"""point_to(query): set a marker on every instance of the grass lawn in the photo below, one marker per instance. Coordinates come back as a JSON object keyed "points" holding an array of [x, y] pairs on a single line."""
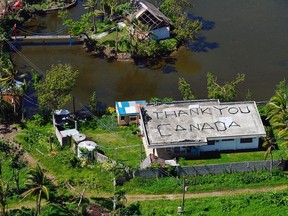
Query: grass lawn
{"points": [[264, 204], [224, 157], [121, 145]]}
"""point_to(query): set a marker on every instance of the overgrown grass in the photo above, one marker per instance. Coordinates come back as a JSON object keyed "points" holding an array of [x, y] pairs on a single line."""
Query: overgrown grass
{"points": [[264, 204], [121, 145], [205, 183], [229, 158], [62, 162]]}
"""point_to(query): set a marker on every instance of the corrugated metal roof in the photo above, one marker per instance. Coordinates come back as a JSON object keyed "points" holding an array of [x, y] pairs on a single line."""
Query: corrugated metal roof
{"points": [[129, 107]]}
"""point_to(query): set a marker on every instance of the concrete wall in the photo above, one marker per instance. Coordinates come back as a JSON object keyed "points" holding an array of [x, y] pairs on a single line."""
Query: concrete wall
{"points": [[212, 169]]}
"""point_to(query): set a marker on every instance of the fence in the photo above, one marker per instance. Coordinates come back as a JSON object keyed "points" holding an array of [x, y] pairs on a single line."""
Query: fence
{"points": [[212, 169]]}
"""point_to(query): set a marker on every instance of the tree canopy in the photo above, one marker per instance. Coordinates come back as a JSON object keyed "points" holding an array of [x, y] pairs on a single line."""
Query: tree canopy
{"points": [[176, 10], [185, 89], [226, 92], [55, 90], [277, 113]]}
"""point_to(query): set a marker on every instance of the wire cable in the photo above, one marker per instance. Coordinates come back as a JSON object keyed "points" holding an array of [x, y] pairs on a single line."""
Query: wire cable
{"points": [[38, 70]]}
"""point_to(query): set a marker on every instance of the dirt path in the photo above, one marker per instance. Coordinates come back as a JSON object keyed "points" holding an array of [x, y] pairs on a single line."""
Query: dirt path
{"points": [[140, 197], [7, 133]]}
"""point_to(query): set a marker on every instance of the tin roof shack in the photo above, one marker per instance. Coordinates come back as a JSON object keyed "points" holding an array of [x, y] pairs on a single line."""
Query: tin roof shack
{"points": [[185, 128], [128, 111], [158, 24]]}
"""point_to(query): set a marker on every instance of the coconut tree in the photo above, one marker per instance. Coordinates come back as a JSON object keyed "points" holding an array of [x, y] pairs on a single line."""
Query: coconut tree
{"points": [[36, 182], [270, 144], [277, 113]]}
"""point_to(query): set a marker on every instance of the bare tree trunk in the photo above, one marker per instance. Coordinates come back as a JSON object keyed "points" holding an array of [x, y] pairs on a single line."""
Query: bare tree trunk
{"points": [[38, 203], [271, 163], [16, 179]]}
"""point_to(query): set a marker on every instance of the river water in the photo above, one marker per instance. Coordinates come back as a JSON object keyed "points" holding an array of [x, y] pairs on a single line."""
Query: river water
{"points": [[239, 36]]}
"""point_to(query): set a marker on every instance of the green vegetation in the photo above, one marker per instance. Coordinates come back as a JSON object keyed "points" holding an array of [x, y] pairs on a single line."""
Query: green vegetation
{"points": [[277, 114], [134, 37], [55, 91], [36, 183], [196, 184], [230, 157], [266, 204], [225, 93], [79, 182], [185, 89], [33, 5]]}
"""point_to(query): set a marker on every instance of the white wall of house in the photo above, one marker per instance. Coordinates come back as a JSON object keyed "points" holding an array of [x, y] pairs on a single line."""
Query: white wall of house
{"points": [[161, 33], [232, 144]]}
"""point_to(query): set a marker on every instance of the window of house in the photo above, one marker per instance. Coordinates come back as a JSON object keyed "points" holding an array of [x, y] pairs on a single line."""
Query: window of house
{"points": [[211, 142], [122, 118], [176, 149], [246, 140], [227, 140], [133, 118]]}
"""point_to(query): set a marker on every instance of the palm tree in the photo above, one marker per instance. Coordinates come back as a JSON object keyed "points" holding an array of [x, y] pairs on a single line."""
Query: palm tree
{"points": [[91, 5], [270, 144], [35, 182], [277, 113]]}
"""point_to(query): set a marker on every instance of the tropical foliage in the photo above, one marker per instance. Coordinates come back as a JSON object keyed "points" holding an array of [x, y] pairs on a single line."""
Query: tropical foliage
{"points": [[55, 90], [277, 113], [36, 183], [226, 92], [185, 89], [176, 10]]}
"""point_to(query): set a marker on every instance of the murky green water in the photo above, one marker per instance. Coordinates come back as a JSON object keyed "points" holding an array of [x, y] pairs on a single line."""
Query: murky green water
{"points": [[247, 36]]}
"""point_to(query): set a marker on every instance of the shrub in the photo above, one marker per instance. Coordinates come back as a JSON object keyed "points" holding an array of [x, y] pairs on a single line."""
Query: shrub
{"points": [[133, 209]]}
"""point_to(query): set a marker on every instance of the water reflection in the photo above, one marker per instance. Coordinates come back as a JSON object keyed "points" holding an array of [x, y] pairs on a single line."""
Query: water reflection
{"points": [[239, 37], [132, 85]]}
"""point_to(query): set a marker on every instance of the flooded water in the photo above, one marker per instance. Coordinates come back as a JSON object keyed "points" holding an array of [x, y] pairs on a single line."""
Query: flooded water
{"points": [[246, 36]]}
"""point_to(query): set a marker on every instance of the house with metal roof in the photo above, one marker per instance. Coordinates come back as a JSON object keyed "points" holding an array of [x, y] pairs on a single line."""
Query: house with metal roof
{"points": [[128, 111], [187, 128]]}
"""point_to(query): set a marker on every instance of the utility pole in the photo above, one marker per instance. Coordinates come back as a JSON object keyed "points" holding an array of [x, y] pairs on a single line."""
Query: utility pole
{"points": [[114, 200], [185, 188]]}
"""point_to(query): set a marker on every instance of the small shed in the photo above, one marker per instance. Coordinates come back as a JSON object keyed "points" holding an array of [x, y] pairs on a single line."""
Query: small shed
{"points": [[86, 149], [128, 111]]}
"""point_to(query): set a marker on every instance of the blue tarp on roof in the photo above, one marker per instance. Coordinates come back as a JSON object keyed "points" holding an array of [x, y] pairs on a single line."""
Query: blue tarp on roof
{"points": [[129, 107]]}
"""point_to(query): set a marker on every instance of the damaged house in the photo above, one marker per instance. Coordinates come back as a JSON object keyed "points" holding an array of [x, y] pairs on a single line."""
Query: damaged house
{"points": [[147, 14]]}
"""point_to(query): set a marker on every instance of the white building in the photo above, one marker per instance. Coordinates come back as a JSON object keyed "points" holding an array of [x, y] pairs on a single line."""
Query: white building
{"points": [[186, 128]]}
